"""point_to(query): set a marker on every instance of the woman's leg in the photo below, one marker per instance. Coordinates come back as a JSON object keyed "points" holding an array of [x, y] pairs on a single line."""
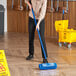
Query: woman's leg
{"points": [[31, 36], [42, 30]]}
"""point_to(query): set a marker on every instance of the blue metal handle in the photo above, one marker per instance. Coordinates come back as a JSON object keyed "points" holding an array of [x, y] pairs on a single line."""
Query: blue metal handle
{"points": [[63, 11], [39, 34], [63, 15]]}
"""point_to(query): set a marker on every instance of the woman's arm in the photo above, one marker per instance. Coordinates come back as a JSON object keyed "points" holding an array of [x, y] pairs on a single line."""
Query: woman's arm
{"points": [[27, 2], [43, 12]]}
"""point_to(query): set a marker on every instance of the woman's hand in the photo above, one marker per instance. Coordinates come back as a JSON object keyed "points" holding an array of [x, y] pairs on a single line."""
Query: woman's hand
{"points": [[37, 27]]}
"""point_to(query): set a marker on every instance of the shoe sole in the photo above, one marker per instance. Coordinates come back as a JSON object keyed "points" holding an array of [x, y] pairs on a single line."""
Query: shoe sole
{"points": [[29, 59]]}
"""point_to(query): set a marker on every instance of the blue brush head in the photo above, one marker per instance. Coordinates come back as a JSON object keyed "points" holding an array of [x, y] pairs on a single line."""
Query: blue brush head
{"points": [[47, 66]]}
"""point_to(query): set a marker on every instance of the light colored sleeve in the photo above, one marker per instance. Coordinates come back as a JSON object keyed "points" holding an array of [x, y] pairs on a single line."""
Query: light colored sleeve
{"points": [[43, 12], [26, 1]]}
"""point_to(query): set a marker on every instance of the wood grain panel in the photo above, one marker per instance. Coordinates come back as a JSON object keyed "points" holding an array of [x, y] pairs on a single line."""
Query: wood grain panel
{"points": [[27, 18], [51, 23], [21, 22], [18, 20], [48, 24], [72, 17], [12, 21]]}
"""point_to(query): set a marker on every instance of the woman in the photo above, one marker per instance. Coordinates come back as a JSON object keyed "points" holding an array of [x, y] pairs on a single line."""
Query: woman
{"points": [[39, 7]]}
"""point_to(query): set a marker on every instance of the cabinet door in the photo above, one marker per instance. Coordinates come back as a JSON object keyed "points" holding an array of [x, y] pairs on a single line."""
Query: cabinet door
{"points": [[21, 22], [12, 21]]}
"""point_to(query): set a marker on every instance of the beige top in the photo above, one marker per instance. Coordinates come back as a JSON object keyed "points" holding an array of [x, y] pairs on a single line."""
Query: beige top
{"points": [[39, 7]]}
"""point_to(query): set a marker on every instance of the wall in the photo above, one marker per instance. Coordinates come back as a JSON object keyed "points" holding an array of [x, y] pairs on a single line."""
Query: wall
{"points": [[18, 20], [4, 2]]}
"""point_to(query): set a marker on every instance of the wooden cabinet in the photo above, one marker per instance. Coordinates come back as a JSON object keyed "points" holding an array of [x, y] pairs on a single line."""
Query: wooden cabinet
{"points": [[18, 20], [12, 21]]}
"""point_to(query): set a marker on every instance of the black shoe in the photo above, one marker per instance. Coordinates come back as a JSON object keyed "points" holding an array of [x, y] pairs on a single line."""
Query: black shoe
{"points": [[45, 61], [29, 57]]}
